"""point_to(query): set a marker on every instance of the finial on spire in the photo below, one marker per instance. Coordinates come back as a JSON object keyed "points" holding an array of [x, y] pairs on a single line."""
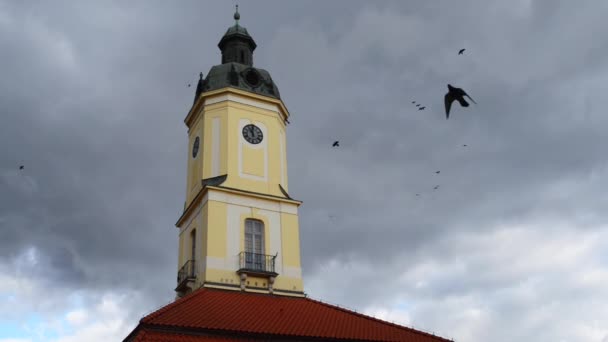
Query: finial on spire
{"points": [[200, 76], [237, 16]]}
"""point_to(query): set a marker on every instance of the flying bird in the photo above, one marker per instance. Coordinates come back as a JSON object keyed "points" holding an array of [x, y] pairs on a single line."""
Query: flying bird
{"points": [[21, 167], [417, 194], [455, 94], [436, 187], [421, 108], [465, 145], [461, 51], [418, 105], [189, 85], [336, 144], [413, 101], [437, 172]]}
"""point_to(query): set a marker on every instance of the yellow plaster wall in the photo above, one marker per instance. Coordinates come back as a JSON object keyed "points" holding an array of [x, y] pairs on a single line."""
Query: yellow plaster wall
{"points": [[230, 114], [213, 233], [203, 234], [231, 278], [185, 238], [218, 110], [290, 239], [288, 284], [216, 229], [195, 165], [251, 158], [285, 181], [222, 276]]}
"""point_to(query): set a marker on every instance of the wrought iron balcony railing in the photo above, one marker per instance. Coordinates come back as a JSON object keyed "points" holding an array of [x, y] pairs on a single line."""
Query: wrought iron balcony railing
{"points": [[256, 263], [187, 272]]}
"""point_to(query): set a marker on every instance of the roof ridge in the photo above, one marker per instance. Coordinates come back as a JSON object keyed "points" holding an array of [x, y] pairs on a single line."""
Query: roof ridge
{"points": [[377, 319]]}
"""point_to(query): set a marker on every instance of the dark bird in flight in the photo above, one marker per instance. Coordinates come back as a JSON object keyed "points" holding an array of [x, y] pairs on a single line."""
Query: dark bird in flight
{"points": [[189, 85], [436, 187], [465, 145], [455, 94], [418, 105], [413, 101], [21, 167], [417, 194], [336, 144], [421, 108], [461, 51], [437, 172]]}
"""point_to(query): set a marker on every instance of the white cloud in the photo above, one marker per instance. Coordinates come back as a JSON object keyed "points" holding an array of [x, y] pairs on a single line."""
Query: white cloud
{"points": [[77, 317], [104, 321], [512, 247], [63, 316], [521, 275], [398, 316]]}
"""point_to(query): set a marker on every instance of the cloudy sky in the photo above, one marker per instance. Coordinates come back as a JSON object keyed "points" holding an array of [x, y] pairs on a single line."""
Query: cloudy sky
{"points": [[511, 247]]}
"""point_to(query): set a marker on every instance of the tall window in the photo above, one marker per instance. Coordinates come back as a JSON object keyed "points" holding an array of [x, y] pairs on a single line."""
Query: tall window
{"points": [[193, 249], [254, 244]]}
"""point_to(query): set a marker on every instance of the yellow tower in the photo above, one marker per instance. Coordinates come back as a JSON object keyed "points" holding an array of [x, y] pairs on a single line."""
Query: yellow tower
{"points": [[239, 229]]}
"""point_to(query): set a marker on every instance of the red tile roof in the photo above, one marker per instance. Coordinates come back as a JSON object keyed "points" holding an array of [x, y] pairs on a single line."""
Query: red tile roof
{"points": [[235, 312]]}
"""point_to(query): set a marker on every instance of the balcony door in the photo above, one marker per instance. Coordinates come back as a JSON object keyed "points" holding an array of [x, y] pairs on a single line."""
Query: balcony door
{"points": [[254, 245]]}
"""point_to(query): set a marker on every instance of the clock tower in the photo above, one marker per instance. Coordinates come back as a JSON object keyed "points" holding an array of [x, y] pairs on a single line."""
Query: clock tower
{"points": [[239, 229]]}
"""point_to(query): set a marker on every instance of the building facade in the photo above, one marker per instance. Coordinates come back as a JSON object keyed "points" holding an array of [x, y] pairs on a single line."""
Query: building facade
{"points": [[239, 229], [239, 275]]}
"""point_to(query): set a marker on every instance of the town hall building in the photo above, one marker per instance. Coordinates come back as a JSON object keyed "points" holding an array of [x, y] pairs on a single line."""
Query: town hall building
{"points": [[239, 273]]}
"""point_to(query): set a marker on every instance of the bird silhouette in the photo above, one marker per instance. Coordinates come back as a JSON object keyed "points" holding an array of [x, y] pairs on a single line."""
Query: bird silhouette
{"points": [[436, 187], [413, 101], [417, 194], [455, 94], [418, 105], [461, 51], [421, 108], [465, 145], [336, 144], [189, 85], [21, 167], [437, 172]]}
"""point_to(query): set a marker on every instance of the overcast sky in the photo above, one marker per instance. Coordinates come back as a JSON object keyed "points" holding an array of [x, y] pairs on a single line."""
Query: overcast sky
{"points": [[512, 246]]}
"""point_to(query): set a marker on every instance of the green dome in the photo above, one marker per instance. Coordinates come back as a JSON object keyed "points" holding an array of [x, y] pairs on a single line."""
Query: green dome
{"points": [[237, 29], [237, 70]]}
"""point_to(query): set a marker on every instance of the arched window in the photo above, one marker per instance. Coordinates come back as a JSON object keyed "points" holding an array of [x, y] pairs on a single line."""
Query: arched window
{"points": [[193, 245], [254, 244]]}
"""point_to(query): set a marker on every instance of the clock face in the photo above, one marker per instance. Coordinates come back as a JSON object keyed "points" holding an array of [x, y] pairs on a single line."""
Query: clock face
{"points": [[195, 147], [253, 134]]}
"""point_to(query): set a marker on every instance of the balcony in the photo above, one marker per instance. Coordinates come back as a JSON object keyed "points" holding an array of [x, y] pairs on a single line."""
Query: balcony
{"points": [[186, 276], [254, 264]]}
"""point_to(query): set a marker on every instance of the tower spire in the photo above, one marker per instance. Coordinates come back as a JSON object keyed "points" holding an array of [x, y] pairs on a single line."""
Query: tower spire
{"points": [[237, 16], [237, 45]]}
